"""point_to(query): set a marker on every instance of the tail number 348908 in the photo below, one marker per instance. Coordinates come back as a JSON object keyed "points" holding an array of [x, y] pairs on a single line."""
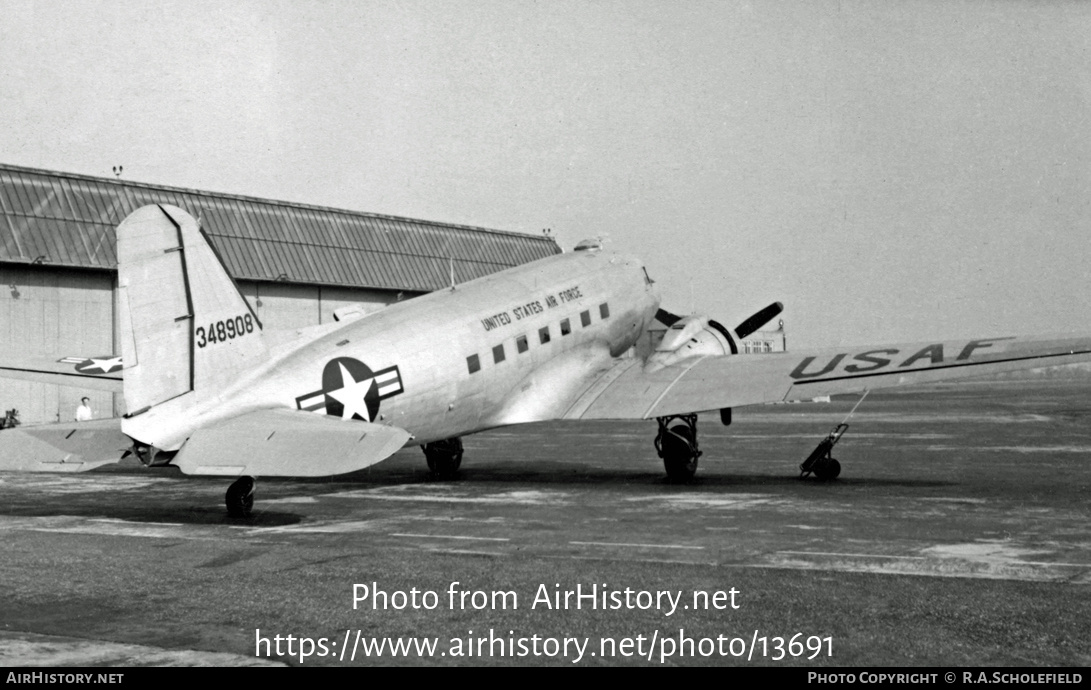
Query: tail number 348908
{"points": [[222, 331]]}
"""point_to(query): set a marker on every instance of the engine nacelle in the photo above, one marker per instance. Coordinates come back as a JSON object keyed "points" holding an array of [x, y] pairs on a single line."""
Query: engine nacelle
{"points": [[691, 336]]}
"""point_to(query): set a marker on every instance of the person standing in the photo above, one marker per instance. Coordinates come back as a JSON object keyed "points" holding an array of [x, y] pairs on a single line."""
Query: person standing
{"points": [[83, 412]]}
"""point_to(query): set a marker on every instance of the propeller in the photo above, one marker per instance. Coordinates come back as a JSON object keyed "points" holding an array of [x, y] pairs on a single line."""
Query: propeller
{"points": [[747, 327], [666, 318], [758, 320]]}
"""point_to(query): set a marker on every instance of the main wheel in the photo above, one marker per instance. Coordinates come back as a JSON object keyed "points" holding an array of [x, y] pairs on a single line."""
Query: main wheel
{"points": [[827, 470], [679, 458], [240, 497], [443, 464], [443, 457]]}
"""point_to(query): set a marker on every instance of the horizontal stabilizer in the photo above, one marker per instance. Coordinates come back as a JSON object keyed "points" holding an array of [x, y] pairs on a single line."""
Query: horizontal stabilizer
{"points": [[284, 443], [67, 447]]}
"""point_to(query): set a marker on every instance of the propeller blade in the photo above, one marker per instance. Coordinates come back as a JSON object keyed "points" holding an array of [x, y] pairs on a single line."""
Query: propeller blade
{"points": [[666, 318], [758, 320]]}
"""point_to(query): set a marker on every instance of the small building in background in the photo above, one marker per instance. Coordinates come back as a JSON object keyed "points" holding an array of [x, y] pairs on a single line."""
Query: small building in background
{"points": [[765, 341]]}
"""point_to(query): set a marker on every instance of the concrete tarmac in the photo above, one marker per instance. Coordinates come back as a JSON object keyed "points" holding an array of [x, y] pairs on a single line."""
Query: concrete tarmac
{"points": [[958, 534]]}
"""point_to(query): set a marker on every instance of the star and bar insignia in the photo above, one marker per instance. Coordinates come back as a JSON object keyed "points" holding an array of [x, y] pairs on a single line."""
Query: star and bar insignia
{"points": [[350, 390], [106, 364]]}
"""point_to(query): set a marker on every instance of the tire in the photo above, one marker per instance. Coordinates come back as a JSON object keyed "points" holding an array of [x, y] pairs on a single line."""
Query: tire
{"points": [[240, 497], [442, 462], [443, 457], [828, 470], [679, 460]]}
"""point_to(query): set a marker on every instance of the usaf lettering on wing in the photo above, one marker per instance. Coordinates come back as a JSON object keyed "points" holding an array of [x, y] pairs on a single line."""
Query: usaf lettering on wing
{"points": [[875, 362]]}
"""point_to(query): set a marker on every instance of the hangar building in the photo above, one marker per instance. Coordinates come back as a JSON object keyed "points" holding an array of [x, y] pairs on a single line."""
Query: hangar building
{"points": [[295, 263]]}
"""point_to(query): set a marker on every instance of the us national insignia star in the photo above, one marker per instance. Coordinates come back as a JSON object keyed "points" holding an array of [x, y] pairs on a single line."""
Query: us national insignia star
{"points": [[350, 390], [96, 365]]}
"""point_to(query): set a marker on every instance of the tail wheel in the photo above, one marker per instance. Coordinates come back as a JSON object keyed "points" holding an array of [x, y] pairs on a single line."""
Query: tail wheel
{"points": [[240, 497]]}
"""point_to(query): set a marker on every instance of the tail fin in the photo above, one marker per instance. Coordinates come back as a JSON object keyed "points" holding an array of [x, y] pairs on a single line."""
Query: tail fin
{"points": [[184, 325]]}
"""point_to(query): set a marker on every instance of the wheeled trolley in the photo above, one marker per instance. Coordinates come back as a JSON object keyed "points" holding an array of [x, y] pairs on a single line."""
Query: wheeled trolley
{"points": [[820, 462]]}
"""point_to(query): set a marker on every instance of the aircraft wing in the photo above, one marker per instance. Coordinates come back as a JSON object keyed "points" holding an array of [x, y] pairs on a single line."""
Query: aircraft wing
{"points": [[63, 447], [95, 373], [628, 389], [287, 443]]}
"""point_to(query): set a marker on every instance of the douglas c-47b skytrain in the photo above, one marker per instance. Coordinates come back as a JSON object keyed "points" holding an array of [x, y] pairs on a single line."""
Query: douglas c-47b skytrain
{"points": [[573, 336]]}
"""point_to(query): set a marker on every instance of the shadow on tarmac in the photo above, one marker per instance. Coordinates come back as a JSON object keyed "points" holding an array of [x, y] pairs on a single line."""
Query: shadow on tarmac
{"points": [[565, 475], [100, 505], [190, 501]]}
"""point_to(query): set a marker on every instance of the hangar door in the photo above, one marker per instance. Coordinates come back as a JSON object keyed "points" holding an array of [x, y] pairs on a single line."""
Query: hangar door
{"points": [[55, 312]]}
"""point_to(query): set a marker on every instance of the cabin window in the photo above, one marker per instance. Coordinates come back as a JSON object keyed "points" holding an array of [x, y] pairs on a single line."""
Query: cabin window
{"points": [[585, 318], [498, 353], [604, 310], [543, 334], [566, 327], [473, 363], [521, 343]]}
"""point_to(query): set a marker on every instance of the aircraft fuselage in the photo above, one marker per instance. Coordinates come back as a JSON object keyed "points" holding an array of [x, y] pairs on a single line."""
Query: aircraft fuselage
{"points": [[448, 363]]}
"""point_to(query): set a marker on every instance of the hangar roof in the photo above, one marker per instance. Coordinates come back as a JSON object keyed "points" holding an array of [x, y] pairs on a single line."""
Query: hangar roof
{"points": [[68, 220]]}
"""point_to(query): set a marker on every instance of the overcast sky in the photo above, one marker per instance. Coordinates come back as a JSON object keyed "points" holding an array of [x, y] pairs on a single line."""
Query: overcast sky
{"points": [[890, 171]]}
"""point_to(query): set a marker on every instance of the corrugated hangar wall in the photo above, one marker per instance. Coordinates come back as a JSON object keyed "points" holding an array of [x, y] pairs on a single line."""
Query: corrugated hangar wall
{"points": [[296, 264]]}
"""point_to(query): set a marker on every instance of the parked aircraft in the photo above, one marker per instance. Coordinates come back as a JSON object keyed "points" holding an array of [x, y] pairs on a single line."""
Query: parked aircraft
{"points": [[574, 336]]}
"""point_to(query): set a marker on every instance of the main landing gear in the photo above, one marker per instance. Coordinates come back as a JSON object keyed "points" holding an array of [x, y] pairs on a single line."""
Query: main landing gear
{"points": [[443, 457], [240, 497], [820, 461], [677, 445]]}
